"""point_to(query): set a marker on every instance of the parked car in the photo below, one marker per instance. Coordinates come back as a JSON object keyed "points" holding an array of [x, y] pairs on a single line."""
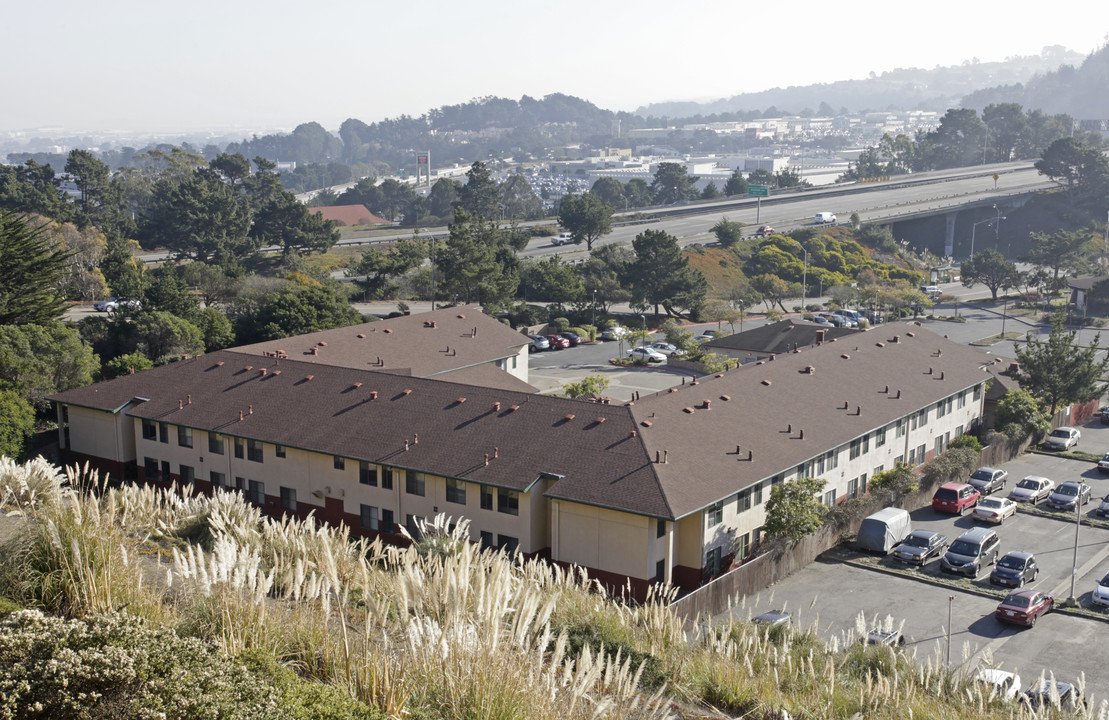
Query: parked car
{"points": [[1103, 509], [1032, 489], [113, 304], [1015, 569], [646, 353], [772, 618], [574, 338], [932, 291], [1024, 607], [988, 480], [557, 342], [1100, 594], [835, 320], [1068, 494], [764, 231], [614, 333], [1104, 415], [884, 530], [994, 509], [920, 546], [539, 343], [104, 305], [821, 320], [878, 636], [955, 498], [664, 347], [1002, 684], [874, 317], [1103, 464], [846, 319], [1063, 438], [1048, 692], [971, 551]]}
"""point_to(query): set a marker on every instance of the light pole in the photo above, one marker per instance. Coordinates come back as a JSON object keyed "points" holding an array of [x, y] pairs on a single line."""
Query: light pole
{"points": [[997, 226], [973, 230], [593, 322], [1077, 525], [804, 274], [950, 599]]}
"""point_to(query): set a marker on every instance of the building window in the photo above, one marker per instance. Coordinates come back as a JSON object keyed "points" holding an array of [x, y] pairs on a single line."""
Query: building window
{"points": [[279, 451], [166, 476], [743, 501], [899, 460], [856, 448], [188, 475], [239, 445], [715, 514], [163, 432], [831, 460], [508, 501], [254, 451], [369, 518], [660, 528], [939, 445], [853, 488], [240, 484], [257, 492], [920, 454], [902, 427], [149, 429], [339, 463], [878, 470], [879, 438], [962, 399], [367, 473], [958, 431], [829, 498], [386, 478], [743, 547], [184, 436], [413, 483], [660, 571], [218, 479], [486, 497], [215, 443], [456, 491], [487, 540], [712, 561], [387, 521], [150, 469], [977, 392], [862, 481], [756, 493], [288, 500], [508, 543], [412, 524]]}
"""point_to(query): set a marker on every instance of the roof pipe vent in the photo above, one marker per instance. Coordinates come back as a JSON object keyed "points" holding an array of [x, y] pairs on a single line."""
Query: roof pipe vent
{"points": [[899, 394], [750, 456], [941, 374], [188, 399], [496, 407], [406, 445], [180, 404], [487, 459], [250, 409], [496, 453], [725, 398], [801, 435], [416, 439]]}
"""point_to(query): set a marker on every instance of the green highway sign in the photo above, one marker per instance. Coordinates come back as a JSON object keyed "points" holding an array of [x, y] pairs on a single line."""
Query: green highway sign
{"points": [[758, 190]]}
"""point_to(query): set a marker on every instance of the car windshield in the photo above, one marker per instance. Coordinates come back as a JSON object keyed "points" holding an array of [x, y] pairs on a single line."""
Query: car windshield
{"points": [[989, 503], [947, 494], [917, 541], [963, 547], [1019, 600], [1029, 484], [1066, 489], [982, 475], [1104, 580], [1060, 434], [1011, 563]]}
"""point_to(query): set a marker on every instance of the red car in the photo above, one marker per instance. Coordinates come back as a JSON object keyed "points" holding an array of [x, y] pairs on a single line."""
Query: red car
{"points": [[955, 498], [557, 342], [1022, 607], [764, 231]]}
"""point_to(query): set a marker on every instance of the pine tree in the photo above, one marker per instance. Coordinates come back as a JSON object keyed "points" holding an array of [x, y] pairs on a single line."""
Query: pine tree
{"points": [[31, 273]]}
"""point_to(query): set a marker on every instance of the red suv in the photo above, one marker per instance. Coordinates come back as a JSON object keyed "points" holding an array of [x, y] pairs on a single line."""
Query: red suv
{"points": [[955, 498]]}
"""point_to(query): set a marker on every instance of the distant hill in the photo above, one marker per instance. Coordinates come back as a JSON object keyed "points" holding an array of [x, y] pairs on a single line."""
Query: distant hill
{"points": [[903, 88], [1080, 91]]}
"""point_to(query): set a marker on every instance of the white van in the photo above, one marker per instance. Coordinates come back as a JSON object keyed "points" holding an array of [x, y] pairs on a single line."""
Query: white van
{"points": [[823, 218]]}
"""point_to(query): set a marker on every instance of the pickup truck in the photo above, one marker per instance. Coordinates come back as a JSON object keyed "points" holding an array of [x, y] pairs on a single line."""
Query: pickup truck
{"points": [[564, 238]]}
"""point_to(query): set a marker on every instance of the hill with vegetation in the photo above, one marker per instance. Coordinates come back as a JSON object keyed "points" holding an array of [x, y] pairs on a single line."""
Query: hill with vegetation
{"points": [[1077, 89], [147, 603]]}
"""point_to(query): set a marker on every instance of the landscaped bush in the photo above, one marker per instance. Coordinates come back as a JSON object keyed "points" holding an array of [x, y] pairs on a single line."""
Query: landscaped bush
{"points": [[965, 441]]}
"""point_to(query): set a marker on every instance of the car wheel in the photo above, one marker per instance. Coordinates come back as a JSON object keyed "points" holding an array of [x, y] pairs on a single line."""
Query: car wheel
{"points": [[1032, 621], [1020, 583]]}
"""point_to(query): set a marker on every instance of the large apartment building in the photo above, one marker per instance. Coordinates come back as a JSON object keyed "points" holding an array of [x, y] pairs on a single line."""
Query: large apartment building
{"points": [[668, 487]]}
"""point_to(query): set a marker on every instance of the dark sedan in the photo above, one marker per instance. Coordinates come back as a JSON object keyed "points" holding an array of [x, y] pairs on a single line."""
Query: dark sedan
{"points": [[1023, 607], [1068, 494], [574, 338], [1015, 569], [920, 546]]}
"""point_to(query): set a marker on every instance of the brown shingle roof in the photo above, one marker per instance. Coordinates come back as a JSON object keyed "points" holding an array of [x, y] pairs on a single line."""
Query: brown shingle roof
{"points": [[776, 338], [770, 403], [423, 345], [349, 215]]}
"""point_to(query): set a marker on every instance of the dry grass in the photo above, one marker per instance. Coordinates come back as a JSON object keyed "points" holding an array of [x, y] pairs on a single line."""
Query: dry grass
{"points": [[440, 629]]}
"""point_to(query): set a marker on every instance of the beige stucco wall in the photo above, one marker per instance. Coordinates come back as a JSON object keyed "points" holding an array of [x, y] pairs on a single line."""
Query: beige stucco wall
{"points": [[599, 538], [100, 433]]}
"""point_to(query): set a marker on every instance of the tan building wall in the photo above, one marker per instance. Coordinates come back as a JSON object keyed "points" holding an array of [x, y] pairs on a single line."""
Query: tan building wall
{"points": [[99, 433], [603, 539]]}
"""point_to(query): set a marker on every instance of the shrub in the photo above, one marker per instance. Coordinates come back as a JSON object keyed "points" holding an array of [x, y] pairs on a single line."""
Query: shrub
{"points": [[965, 441], [578, 636], [951, 465], [560, 324]]}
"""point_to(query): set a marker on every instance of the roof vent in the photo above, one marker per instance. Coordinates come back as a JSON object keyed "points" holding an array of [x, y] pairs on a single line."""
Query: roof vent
{"points": [[809, 370], [941, 374], [248, 367], [820, 335], [897, 338], [496, 407], [673, 390], [513, 408], [568, 417], [263, 371], [911, 334], [760, 362], [361, 336], [719, 375], [460, 400], [373, 394], [706, 405], [688, 410], [357, 385], [219, 363], [646, 423], [276, 372], [388, 330], [321, 343], [188, 399], [309, 377], [694, 383], [845, 356], [898, 394], [599, 420], [406, 391], [461, 317], [766, 382], [879, 344], [725, 398], [314, 350]]}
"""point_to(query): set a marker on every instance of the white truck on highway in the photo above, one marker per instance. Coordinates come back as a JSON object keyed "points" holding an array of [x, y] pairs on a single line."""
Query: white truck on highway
{"points": [[824, 218]]}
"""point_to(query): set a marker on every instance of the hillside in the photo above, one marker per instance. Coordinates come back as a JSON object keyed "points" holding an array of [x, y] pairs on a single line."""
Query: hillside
{"points": [[1080, 90], [904, 88]]}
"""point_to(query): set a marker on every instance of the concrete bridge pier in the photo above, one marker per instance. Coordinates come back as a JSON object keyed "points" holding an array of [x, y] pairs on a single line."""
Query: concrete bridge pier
{"points": [[949, 235]]}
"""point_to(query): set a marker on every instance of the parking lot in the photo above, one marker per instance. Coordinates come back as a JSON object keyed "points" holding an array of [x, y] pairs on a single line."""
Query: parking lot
{"points": [[830, 594]]}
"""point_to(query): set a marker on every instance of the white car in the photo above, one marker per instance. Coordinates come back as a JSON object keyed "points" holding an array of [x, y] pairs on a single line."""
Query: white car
{"points": [[1103, 464], [1100, 595], [1103, 509], [646, 353], [1002, 684], [1032, 489], [664, 347], [1063, 438], [994, 509]]}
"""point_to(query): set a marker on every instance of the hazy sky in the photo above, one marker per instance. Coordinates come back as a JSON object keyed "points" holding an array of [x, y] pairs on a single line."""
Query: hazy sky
{"points": [[159, 66]]}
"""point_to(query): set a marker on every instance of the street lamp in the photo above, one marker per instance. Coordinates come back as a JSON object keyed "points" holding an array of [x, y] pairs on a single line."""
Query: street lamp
{"points": [[804, 274], [593, 322], [1077, 525], [973, 230], [950, 599]]}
